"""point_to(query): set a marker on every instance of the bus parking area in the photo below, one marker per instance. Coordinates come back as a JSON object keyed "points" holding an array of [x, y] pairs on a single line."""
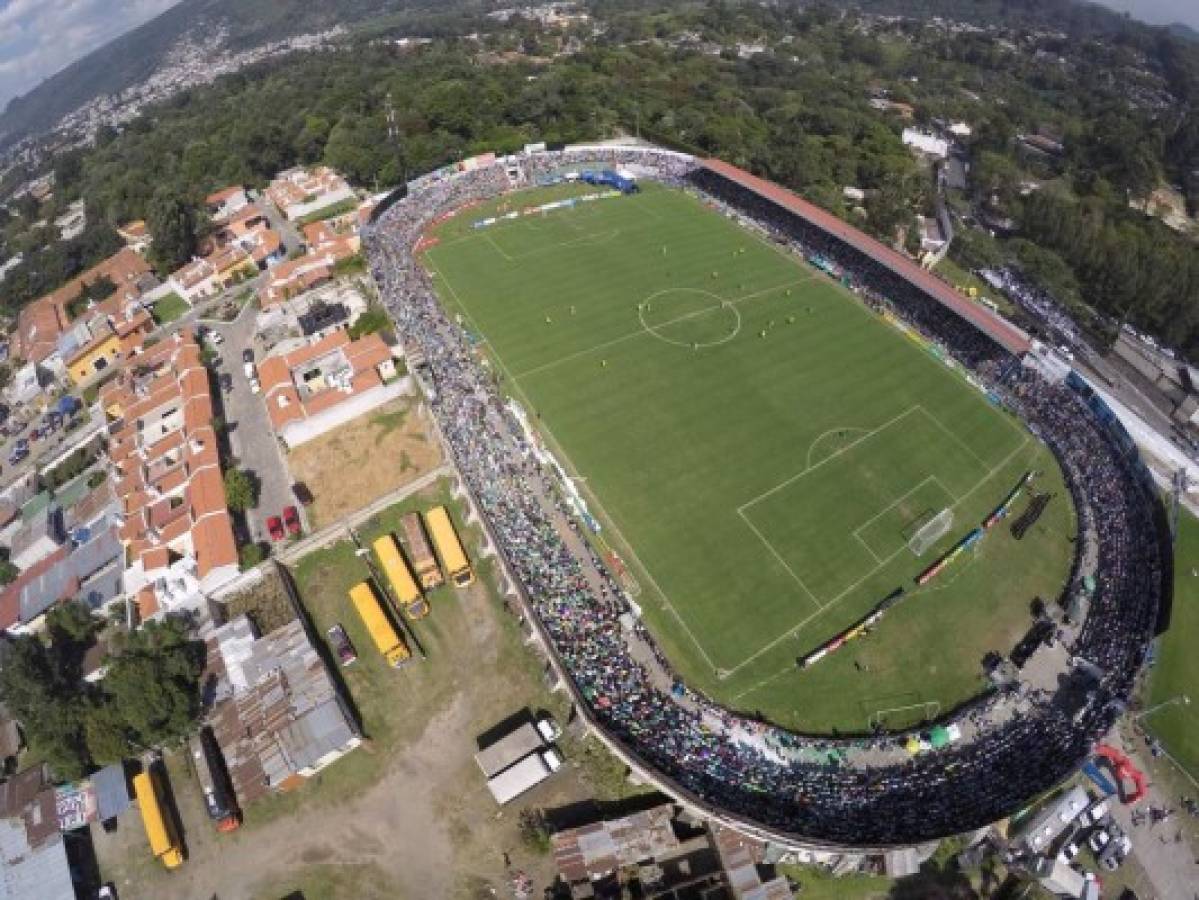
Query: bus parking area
{"points": [[408, 812]]}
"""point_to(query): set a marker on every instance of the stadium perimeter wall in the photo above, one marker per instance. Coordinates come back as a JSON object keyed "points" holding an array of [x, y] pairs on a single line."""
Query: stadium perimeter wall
{"points": [[1003, 332], [642, 770]]}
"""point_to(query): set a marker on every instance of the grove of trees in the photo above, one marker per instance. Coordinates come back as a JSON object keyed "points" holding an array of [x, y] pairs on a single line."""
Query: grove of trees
{"points": [[149, 697]]}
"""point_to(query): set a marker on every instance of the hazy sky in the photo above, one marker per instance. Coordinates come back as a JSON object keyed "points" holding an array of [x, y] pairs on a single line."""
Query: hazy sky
{"points": [[1160, 12], [39, 37]]}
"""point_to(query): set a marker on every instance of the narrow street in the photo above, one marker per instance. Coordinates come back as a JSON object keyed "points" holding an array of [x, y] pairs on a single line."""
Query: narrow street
{"points": [[251, 438]]}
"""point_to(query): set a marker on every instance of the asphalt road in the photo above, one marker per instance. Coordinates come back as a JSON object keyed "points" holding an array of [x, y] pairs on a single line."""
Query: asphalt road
{"points": [[251, 438]]}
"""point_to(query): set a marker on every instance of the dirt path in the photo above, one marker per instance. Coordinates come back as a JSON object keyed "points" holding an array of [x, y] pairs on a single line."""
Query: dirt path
{"points": [[428, 824]]}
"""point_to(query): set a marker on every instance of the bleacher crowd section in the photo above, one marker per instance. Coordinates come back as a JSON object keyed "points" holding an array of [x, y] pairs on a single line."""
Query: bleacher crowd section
{"points": [[863, 791]]}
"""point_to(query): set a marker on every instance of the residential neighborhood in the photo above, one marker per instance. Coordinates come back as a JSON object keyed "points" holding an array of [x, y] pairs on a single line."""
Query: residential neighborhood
{"points": [[720, 450]]}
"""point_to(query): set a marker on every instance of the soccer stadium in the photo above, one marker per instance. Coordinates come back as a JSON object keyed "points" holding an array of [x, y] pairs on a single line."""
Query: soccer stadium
{"points": [[818, 545]]}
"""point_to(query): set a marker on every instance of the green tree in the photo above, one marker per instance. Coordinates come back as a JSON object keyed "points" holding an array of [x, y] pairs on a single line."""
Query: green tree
{"points": [[49, 707], [173, 225], [241, 490], [154, 683], [8, 571], [251, 555], [104, 731], [71, 621]]}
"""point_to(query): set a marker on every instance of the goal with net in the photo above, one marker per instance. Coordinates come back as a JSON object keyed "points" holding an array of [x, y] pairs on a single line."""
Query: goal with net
{"points": [[930, 532]]}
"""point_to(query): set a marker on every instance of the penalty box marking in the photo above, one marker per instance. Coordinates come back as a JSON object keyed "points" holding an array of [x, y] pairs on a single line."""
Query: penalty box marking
{"points": [[880, 561], [857, 532], [802, 623]]}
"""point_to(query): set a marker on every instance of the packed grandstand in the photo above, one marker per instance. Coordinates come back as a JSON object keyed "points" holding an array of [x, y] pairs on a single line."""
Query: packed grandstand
{"points": [[862, 791]]}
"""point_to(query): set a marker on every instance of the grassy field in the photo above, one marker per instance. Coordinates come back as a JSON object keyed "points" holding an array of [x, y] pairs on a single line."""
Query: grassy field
{"points": [[407, 814], [760, 447], [168, 309], [1176, 674]]}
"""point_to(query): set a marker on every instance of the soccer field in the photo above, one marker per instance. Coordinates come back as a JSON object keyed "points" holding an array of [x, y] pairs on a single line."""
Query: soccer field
{"points": [[760, 448]]}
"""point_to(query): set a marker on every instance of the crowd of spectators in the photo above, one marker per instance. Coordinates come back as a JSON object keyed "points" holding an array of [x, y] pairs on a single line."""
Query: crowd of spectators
{"points": [[803, 786]]}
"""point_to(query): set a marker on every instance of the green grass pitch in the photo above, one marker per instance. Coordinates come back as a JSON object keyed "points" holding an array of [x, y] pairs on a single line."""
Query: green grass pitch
{"points": [[1171, 706], [759, 447]]}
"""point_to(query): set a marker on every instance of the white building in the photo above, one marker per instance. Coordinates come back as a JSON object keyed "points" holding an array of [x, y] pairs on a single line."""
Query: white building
{"points": [[928, 144]]}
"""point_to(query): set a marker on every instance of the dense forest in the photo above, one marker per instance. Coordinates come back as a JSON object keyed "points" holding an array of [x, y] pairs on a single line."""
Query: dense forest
{"points": [[1122, 99]]}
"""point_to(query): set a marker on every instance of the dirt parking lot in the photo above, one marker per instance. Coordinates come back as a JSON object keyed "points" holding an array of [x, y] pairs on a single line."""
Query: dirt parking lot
{"points": [[407, 815], [364, 459]]}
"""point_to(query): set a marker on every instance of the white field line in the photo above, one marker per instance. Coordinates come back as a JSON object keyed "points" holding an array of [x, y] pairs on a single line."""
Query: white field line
{"points": [[835, 600], [868, 548], [953, 437], [898, 500], [496, 247], [544, 428], [782, 562], [809, 469], [820, 437], [645, 331]]}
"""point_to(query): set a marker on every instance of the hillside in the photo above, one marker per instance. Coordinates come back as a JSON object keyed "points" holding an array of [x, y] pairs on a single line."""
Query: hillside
{"points": [[132, 57]]}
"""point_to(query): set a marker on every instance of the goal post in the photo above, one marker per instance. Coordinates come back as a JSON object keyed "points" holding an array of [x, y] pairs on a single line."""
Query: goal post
{"points": [[930, 532]]}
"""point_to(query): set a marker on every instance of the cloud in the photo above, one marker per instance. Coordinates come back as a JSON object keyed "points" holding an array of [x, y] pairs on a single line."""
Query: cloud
{"points": [[40, 37]]}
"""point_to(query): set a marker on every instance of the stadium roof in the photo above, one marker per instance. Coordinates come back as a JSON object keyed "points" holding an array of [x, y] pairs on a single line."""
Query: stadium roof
{"points": [[998, 329]]}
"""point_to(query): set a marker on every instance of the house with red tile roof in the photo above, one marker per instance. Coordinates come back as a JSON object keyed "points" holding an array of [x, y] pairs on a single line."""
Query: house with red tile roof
{"points": [[165, 470], [294, 277], [225, 203], [321, 385], [300, 192], [40, 324]]}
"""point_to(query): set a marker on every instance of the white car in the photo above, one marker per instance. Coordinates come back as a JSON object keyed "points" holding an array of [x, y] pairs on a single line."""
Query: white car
{"points": [[215, 338], [255, 387], [1069, 852], [248, 368], [1098, 841], [548, 729], [1093, 814]]}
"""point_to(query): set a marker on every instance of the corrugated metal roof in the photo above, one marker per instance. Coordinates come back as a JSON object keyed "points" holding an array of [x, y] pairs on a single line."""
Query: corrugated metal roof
{"points": [[597, 849], [112, 791], [283, 715], [28, 873]]}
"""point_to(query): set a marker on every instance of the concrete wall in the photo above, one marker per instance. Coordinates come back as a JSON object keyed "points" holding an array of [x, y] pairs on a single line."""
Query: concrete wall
{"points": [[294, 434]]}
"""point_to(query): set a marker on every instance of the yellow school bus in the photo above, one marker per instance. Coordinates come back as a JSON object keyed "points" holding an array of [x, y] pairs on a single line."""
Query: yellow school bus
{"points": [[449, 548], [399, 576], [159, 829], [420, 552], [383, 633]]}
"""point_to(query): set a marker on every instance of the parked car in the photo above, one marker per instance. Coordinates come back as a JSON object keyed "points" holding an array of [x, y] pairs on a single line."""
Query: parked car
{"points": [[274, 525], [247, 355], [1093, 813], [1069, 852], [215, 338], [248, 368], [255, 386], [107, 892], [1098, 840], [341, 644], [291, 518], [226, 382]]}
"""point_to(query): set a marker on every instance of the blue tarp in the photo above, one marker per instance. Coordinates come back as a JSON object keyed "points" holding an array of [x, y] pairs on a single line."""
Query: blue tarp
{"points": [[1101, 781]]}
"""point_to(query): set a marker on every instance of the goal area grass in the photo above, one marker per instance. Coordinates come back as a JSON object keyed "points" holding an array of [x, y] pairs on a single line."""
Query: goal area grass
{"points": [[759, 448]]}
